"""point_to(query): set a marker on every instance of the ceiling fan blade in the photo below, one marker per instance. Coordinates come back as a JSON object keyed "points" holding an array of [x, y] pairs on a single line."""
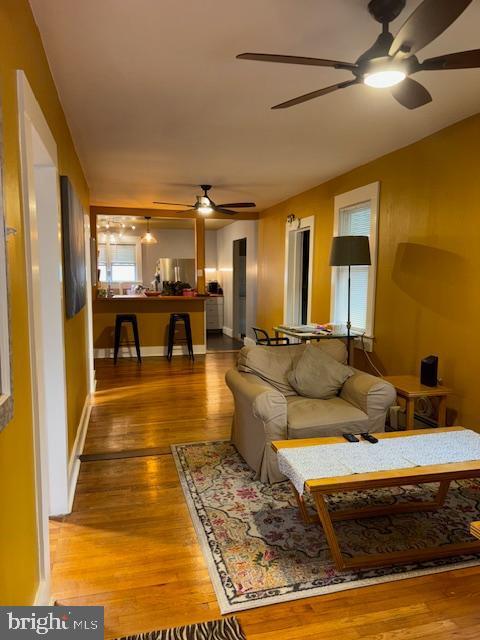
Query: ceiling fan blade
{"points": [[173, 204], [460, 60], [222, 210], [411, 94], [237, 205], [315, 62], [315, 94], [428, 21]]}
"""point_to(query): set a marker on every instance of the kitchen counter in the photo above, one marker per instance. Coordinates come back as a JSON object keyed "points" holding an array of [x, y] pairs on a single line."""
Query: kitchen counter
{"points": [[153, 317], [154, 298]]}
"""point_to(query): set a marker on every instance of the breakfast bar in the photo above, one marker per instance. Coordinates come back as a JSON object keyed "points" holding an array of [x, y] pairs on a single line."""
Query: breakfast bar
{"points": [[153, 316]]}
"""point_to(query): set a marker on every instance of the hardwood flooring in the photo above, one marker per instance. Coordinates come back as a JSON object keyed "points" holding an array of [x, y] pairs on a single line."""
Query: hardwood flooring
{"points": [[129, 544], [221, 342]]}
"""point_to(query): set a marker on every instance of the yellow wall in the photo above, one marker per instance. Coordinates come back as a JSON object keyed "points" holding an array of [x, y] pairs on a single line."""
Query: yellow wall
{"points": [[427, 297], [21, 48]]}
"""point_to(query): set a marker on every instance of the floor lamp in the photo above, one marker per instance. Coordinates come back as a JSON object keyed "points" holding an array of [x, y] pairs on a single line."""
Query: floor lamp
{"points": [[348, 251]]}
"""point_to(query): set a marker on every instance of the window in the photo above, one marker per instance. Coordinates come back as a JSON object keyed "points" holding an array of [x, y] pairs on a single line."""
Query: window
{"points": [[119, 262], [356, 214]]}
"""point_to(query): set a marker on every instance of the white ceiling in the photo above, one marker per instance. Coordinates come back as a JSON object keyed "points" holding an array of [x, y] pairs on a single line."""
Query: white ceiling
{"points": [[157, 102]]}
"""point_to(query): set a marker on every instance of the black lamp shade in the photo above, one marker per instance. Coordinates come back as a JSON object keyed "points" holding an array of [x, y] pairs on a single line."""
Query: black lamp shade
{"points": [[350, 250]]}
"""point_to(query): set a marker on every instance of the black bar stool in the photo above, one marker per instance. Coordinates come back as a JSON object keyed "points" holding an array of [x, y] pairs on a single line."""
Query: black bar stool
{"points": [[172, 328], [132, 319]]}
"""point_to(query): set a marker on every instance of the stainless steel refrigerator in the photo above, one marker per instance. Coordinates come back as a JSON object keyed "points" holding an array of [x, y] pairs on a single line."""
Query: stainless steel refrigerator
{"points": [[177, 269]]}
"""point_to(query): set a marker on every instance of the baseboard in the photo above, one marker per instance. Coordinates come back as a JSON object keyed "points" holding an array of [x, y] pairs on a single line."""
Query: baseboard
{"points": [[42, 596], [129, 352], [74, 462], [227, 331]]}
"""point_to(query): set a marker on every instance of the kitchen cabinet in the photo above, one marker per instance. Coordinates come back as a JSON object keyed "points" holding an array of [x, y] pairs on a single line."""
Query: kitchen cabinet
{"points": [[214, 313]]}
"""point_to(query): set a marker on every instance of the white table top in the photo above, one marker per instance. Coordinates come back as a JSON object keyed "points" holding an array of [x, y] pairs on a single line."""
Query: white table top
{"points": [[313, 335]]}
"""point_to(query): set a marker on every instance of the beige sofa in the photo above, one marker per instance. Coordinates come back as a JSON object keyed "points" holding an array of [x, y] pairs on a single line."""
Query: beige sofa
{"points": [[267, 408]]}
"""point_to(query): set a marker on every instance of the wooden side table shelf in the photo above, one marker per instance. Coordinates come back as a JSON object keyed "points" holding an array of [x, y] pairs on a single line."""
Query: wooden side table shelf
{"points": [[409, 388]]}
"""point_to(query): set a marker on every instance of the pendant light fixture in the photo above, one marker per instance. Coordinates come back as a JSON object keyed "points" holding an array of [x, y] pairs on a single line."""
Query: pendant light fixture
{"points": [[148, 238]]}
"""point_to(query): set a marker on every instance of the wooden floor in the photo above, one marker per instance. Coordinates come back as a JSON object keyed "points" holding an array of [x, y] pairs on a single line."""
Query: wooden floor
{"points": [[129, 544]]}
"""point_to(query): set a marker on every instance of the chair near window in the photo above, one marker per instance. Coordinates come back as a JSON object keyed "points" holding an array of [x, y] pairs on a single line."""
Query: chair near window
{"points": [[262, 337]]}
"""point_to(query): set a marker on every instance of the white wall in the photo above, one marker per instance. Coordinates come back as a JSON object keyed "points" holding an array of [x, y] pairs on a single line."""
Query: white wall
{"points": [[172, 243], [225, 237], [211, 249]]}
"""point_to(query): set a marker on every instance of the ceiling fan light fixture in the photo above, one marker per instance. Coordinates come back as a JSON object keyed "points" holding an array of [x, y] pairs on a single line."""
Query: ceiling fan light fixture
{"points": [[384, 79], [204, 206], [205, 211]]}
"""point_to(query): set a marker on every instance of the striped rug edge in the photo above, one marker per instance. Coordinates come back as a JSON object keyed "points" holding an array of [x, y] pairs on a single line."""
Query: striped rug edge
{"points": [[222, 629]]}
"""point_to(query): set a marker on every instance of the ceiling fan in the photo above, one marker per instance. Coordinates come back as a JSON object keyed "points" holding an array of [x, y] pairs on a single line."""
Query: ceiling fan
{"points": [[205, 205], [391, 60]]}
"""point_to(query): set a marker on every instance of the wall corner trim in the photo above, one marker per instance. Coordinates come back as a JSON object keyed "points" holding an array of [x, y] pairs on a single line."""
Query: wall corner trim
{"points": [[74, 462], [42, 596]]}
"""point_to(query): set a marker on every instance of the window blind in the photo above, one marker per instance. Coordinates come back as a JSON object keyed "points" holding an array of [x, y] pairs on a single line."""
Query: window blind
{"points": [[354, 220], [123, 254]]}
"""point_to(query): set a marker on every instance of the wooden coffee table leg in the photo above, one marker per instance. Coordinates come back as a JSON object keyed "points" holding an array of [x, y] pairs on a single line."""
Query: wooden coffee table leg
{"points": [[305, 515], [327, 524], [442, 493], [407, 556]]}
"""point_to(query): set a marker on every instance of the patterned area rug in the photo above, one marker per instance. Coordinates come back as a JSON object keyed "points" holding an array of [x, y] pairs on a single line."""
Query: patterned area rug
{"points": [[259, 552], [226, 629]]}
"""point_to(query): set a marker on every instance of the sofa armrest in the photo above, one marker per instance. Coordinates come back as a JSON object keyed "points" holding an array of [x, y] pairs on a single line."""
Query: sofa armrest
{"points": [[266, 403], [260, 417], [372, 395]]}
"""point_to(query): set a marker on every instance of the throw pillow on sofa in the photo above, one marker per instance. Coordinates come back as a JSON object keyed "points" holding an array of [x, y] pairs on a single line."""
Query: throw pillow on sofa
{"points": [[318, 375], [271, 364]]}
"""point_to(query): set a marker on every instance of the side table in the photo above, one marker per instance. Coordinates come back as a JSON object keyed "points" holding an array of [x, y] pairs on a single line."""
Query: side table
{"points": [[409, 388]]}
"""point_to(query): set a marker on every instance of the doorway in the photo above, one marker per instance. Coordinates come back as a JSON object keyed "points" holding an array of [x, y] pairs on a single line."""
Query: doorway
{"points": [[298, 271], [43, 251], [240, 288]]}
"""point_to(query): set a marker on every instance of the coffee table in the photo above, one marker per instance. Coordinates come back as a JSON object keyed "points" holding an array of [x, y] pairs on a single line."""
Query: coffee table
{"points": [[321, 487]]}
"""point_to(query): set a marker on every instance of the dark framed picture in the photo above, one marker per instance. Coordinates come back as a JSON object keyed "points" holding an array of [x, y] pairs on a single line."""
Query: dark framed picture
{"points": [[74, 267]]}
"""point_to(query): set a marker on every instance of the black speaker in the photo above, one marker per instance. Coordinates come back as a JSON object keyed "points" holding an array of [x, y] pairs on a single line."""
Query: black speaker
{"points": [[429, 371]]}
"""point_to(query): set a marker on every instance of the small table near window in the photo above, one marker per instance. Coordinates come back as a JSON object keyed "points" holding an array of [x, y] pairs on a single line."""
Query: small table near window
{"points": [[410, 388], [316, 335]]}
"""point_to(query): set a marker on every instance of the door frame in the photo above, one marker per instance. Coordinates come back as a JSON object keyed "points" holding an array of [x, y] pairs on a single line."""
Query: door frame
{"points": [[293, 269], [46, 339], [89, 304], [235, 288]]}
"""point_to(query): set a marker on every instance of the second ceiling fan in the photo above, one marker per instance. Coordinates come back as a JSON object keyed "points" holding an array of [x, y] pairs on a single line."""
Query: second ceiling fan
{"points": [[391, 60], [205, 205]]}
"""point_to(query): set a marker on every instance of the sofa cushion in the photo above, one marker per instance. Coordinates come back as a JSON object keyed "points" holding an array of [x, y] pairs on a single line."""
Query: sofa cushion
{"points": [[335, 348], [271, 364], [313, 418], [317, 374]]}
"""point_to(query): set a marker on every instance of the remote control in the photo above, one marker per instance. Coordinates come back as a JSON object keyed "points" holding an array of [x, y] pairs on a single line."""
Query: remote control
{"points": [[369, 438], [350, 437]]}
